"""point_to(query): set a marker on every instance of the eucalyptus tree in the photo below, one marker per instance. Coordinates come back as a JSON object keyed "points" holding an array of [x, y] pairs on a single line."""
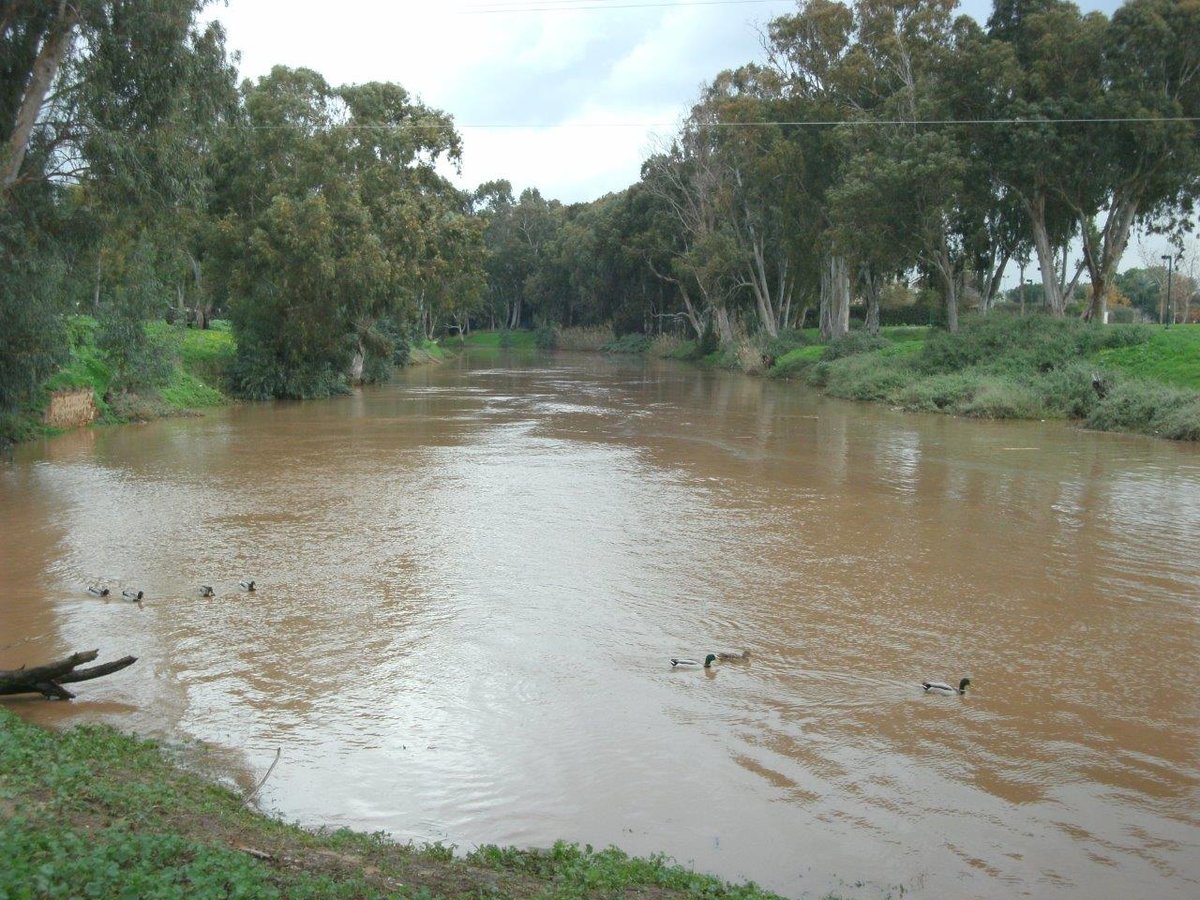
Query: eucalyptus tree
{"points": [[689, 181], [809, 50], [1145, 162], [325, 225], [105, 108]]}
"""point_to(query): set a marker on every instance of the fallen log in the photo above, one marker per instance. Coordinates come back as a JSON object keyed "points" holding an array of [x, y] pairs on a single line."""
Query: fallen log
{"points": [[48, 680]]}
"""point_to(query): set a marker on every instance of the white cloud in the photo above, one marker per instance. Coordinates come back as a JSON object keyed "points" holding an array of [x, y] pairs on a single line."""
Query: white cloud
{"points": [[580, 76]]}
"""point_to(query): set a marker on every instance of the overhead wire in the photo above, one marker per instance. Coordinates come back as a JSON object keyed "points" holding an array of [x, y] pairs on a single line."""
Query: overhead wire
{"points": [[521, 6]]}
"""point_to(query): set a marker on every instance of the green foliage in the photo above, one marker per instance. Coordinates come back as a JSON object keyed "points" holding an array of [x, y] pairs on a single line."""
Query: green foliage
{"points": [[92, 812], [1171, 355], [709, 343], [629, 343], [184, 390], [333, 221], [33, 338], [784, 343], [500, 340], [575, 871], [854, 342], [1023, 344], [257, 374], [798, 362], [584, 337], [546, 337], [1149, 408], [861, 376], [115, 862]]}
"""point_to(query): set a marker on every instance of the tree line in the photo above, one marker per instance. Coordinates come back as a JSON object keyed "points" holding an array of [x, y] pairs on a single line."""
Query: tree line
{"points": [[889, 143], [880, 144]]}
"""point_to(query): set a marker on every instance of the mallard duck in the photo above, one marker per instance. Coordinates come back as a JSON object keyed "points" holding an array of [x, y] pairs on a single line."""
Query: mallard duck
{"points": [[708, 661], [745, 654], [206, 590], [246, 584], [940, 687], [97, 590], [131, 594]]}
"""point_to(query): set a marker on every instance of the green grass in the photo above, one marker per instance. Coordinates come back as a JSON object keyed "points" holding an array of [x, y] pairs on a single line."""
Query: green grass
{"points": [[1171, 356], [501, 340], [93, 812], [1013, 368]]}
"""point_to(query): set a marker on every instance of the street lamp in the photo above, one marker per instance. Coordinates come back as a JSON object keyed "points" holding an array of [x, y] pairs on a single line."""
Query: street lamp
{"points": [[1170, 263], [1024, 285]]}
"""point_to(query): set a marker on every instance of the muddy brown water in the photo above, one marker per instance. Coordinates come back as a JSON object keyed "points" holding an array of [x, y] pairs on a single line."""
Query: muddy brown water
{"points": [[470, 582]]}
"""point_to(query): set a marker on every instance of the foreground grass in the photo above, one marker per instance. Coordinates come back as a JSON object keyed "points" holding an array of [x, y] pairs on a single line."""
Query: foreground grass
{"points": [[92, 812]]}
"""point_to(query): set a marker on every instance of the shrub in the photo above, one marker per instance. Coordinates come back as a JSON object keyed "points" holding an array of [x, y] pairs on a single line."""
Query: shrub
{"points": [[852, 343], [862, 377], [629, 343], [1000, 398], [788, 340], [1182, 422], [796, 363], [546, 337], [1147, 407], [584, 337], [1019, 345], [668, 345], [1067, 390], [939, 392], [709, 343]]}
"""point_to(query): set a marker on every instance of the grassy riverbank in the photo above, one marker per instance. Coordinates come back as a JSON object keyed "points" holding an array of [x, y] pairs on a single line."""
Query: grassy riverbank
{"points": [[1137, 378], [92, 812]]}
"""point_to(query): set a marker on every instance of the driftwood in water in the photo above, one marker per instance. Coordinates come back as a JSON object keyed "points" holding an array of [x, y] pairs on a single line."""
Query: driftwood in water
{"points": [[49, 679]]}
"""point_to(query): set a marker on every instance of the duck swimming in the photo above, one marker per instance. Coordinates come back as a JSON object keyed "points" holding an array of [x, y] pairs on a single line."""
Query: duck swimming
{"points": [[246, 584], [708, 661], [131, 594], [97, 590], [206, 590], [940, 687], [745, 654]]}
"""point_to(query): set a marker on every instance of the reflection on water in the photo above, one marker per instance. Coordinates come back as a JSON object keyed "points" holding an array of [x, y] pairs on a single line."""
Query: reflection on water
{"points": [[470, 582]]}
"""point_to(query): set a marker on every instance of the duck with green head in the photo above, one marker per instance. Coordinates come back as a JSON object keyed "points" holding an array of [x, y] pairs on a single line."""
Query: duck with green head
{"points": [[707, 664], [940, 687]]}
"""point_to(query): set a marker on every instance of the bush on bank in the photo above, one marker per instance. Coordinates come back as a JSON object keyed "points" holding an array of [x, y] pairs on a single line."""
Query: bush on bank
{"points": [[1023, 368]]}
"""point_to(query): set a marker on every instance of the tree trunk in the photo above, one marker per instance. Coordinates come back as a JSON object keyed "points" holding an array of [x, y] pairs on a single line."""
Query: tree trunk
{"points": [[948, 273], [357, 363], [1045, 255], [45, 67], [724, 325], [835, 298], [1102, 261], [48, 680], [872, 287]]}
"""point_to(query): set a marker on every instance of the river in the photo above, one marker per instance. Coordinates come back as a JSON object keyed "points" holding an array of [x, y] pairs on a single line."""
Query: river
{"points": [[470, 582]]}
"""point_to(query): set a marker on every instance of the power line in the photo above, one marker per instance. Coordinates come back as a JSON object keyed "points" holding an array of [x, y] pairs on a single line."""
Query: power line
{"points": [[823, 123], [571, 5]]}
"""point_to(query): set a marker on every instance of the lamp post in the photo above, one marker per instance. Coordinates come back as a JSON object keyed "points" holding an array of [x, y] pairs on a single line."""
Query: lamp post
{"points": [[1024, 285], [1170, 264]]}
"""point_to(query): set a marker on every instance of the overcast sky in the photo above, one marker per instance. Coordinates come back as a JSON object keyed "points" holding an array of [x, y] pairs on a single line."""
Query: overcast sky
{"points": [[562, 95]]}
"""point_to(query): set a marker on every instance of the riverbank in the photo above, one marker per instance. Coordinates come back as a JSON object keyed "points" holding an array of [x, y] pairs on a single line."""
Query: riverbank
{"points": [[94, 812], [184, 372], [1134, 378]]}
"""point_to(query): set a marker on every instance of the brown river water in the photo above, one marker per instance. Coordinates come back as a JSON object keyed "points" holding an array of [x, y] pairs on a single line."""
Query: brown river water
{"points": [[470, 582]]}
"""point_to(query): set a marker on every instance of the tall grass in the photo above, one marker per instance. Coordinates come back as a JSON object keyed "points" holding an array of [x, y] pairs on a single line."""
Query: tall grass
{"points": [[584, 337], [1008, 367]]}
